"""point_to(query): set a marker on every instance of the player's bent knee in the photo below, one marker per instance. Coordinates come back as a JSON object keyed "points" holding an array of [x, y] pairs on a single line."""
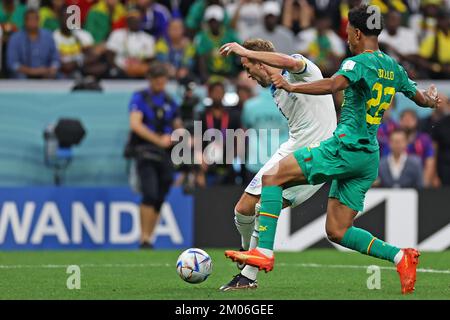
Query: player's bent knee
{"points": [[270, 180], [244, 209], [335, 234]]}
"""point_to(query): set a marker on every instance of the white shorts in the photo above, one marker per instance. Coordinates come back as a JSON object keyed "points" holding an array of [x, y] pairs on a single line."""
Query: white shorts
{"points": [[295, 195]]}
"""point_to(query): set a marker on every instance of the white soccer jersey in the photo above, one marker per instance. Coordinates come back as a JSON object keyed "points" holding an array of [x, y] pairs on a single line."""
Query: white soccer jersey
{"points": [[311, 118]]}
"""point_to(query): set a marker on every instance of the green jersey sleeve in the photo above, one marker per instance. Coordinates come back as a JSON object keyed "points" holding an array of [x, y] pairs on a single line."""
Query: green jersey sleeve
{"points": [[352, 70], [406, 85]]}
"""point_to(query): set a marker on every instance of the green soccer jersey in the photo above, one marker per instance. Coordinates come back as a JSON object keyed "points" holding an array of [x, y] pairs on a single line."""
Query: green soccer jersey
{"points": [[374, 78]]}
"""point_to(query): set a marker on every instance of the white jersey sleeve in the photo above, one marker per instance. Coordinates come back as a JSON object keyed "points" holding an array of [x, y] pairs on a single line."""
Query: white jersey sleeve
{"points": [[309, 73], [311, 118]]}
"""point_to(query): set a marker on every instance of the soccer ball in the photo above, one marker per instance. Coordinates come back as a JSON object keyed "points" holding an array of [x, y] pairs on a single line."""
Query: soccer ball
{"points": [[194, 265]]}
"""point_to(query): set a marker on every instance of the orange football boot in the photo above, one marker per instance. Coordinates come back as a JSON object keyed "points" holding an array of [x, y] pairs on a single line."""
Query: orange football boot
{"points": [[252, 258], [406, 269]]}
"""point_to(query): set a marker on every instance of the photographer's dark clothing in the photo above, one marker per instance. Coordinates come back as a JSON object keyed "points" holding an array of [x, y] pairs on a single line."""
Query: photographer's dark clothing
{"points": [[154, 167], [155, 179], [140, 102]]}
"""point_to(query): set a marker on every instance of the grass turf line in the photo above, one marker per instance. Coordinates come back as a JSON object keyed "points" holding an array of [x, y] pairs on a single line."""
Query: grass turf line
{"points": [[312, 274]]}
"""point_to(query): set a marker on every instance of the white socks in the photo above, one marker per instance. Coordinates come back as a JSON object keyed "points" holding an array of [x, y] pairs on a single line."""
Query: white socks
{"points": [[398, 257], [245, 225]]}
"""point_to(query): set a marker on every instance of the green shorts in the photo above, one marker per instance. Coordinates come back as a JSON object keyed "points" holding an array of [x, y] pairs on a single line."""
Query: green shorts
{"points": [[352, 172]]}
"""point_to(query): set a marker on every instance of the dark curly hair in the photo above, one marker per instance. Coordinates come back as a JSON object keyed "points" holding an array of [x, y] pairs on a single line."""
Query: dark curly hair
{"points": [[361, 18]]}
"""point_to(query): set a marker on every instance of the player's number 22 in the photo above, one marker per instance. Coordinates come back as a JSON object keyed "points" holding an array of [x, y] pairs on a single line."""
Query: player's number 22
{"points": [[382, 94]]}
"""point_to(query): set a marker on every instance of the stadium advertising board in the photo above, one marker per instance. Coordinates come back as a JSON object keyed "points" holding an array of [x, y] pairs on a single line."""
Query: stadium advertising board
{"points": [[403, 217], [87, 218]]}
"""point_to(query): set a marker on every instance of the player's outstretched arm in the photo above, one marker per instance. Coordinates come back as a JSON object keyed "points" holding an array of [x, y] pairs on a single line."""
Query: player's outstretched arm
{"points": [[428, 98], [273, 59], [319, 87]]}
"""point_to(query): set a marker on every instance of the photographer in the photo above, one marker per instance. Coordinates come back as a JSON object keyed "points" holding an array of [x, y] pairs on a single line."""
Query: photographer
{"points": [[153, 117]]}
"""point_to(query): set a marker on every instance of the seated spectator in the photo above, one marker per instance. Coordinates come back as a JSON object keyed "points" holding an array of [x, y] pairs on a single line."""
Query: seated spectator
{"points": [[424, 22], [216, 116], [176, 51], [435, 49], [399, 42], [50, 14], [400, 169], [441, 137], [11, 17], [258, 113], [281, 37], [390, 5], [419, 144], [196, 13], [77, 52], [246, 14], [322, 45], [129, 50], [104, 17], [32, 51], [387, 126], [155, 18], [298, 15], [209, 41]]}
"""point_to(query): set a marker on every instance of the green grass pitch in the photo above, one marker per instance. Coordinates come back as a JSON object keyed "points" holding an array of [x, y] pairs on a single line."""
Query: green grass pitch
{"points": [[313, 274]]}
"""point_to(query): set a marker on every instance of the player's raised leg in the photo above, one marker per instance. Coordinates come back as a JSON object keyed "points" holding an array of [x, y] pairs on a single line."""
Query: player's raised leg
{"points": [[340, 229], [285, 172]]}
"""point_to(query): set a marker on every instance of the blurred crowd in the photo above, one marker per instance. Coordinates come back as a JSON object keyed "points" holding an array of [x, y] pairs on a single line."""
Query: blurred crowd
{"points": [[120, 39]]}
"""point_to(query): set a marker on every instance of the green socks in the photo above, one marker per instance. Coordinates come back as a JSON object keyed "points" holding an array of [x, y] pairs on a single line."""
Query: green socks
{"points": [[271, 204], [362, 241]]}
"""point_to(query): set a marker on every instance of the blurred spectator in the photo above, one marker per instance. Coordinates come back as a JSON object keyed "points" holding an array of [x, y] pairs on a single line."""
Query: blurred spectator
{"points": [[345, 7], [84, 6], [322, 45], [399, 42], [11, 16], [400, 169], [441, 137], [298, 15], [153, 117], [246, 14], [258, 113], [77, 52], [154, 17], [196, 13], [428, 123], [332, 8], [209, 41], [384, 132], [176, 51], [419, 144], [424, 22], [50, 14], [280, 36], [103, 17], [32, 51], [130, 49], [390, 5], [435, 49], [216, 116]]}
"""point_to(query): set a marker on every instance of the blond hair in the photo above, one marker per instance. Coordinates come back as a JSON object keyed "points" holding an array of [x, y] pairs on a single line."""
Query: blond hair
{"points": [[259, 45]]}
